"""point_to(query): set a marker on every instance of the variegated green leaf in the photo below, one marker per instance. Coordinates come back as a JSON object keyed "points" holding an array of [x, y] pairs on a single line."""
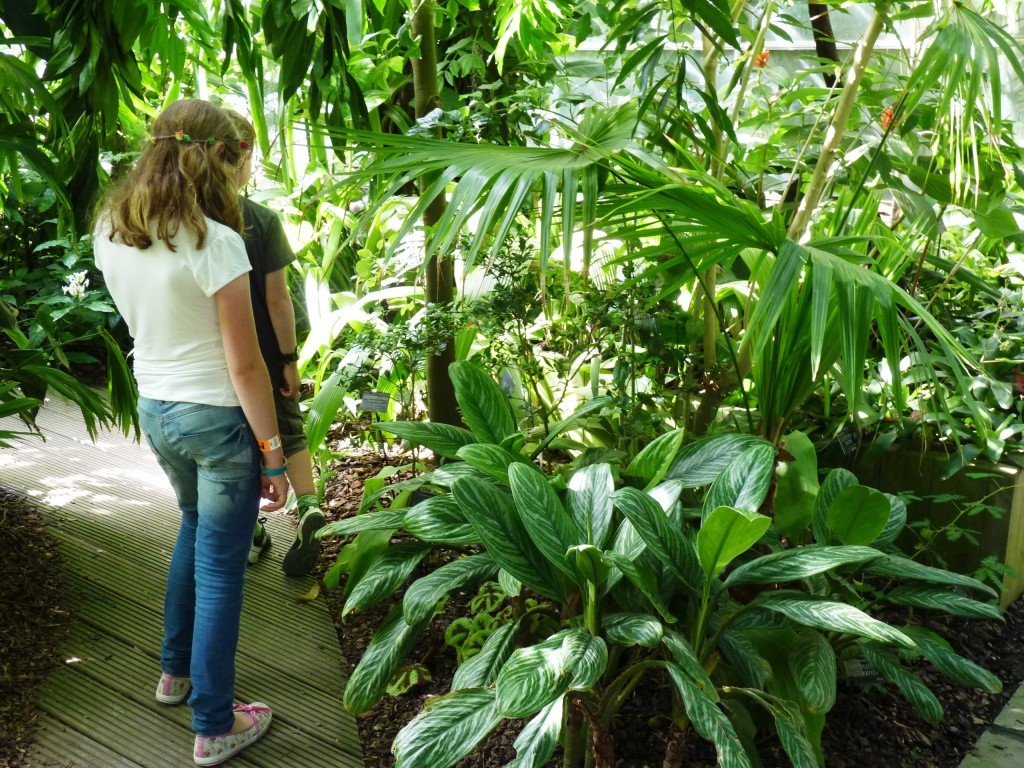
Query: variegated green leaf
{"points": [[665, 541], [492, 460], [387, 573], [590, 502], [799, 563], [741, 653], [545, 519], [533, 678], [385, 520], [700, 462], [446, 475], [482, 669], [386, 652], [858, 515], [536, 743], [813, 662], [726, 534], [946, 600], [586, 659], [793, 738], [443, 439], [830, 615], [509, 584], [643, 579], [894, 526], [902, 568], [423, 594], [710, 722], [632, 629], [484, 407], [441, 520], [835, 481], [913, 689], [493, 514], [650, 465], [744, 483], [950, 663], [447, 729], [589, 561], [687, 661]]}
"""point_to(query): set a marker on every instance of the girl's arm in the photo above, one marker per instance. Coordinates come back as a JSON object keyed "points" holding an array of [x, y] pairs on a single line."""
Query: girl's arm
{"points": [[250, 378], [282, 317]]}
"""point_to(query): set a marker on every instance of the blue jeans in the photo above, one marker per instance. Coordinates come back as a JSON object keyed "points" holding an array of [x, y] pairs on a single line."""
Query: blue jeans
{"points": [[211, 458]]}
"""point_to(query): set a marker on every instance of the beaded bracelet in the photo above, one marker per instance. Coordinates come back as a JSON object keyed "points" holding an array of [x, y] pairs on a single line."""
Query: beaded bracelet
{"points": [[275, 471]]}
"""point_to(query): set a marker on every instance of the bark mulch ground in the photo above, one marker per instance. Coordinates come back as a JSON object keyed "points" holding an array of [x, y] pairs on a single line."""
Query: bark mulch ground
{"points": [[33, 620]]}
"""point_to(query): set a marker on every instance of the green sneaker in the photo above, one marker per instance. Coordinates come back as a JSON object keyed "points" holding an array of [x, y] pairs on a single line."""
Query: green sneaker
{"points": [[301, 557], [260, 541]]}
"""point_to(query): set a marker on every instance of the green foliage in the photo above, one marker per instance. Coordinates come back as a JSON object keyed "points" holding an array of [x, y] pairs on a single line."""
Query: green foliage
{"points": [[673, 589]]}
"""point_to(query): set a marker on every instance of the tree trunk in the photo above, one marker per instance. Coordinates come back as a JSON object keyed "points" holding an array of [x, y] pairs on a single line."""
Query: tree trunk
{"points": [[440, 272], [824, 41], [675, 750]]}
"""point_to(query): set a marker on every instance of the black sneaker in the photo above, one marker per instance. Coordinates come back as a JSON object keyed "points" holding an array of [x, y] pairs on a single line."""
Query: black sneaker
{"points": [[260, 541], [301, 557]]}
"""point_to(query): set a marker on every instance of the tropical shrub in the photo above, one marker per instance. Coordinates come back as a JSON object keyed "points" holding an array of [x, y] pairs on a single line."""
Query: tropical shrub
{"points": [[663, 569]]}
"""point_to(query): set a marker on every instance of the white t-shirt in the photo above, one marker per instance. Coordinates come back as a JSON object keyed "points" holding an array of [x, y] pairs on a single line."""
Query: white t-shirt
{"points": [[167, 299]]}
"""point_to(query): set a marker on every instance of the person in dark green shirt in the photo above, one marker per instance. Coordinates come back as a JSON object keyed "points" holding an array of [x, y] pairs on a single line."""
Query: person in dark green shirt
{"points": [[270, 254]]}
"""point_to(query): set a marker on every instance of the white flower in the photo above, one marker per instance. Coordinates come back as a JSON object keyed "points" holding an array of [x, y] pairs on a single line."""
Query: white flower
{"points": [[77, 283]]}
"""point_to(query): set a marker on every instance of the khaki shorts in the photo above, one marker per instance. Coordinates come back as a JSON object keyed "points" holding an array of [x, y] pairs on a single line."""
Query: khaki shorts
{"points": [[289, 424]]}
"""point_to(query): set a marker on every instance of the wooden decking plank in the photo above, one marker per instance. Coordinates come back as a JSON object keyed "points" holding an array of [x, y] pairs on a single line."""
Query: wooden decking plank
{"points": [[58, 746], [113, 565], [138, 734], [142, 625], [112, 509], [134, 671], [162, 736]]}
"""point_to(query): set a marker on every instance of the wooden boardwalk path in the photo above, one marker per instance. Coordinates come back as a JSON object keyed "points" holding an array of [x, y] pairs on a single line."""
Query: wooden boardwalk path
{"points": [[114, 514]]}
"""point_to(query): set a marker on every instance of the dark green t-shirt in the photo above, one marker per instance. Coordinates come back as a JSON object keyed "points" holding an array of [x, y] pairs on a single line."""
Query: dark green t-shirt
{"points": [[269, 251]]}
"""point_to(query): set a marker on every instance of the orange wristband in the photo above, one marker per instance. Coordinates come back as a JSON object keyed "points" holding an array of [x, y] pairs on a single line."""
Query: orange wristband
{"points": [[269, 445]]}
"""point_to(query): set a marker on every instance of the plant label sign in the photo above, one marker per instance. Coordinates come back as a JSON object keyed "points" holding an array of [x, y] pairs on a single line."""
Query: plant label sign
{"points": [[859, 672], [377, 402]]}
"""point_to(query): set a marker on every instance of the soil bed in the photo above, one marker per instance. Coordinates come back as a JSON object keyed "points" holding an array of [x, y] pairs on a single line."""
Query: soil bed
{"points": [[869, 726], [33, 620]]}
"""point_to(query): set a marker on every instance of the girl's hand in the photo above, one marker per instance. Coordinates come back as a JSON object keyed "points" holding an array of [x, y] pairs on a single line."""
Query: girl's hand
{"points": [[275, 491], [290, 374]]}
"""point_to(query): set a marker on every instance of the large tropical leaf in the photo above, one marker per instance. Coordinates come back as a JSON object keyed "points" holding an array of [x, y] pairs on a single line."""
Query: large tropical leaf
{"points": [[536, 743], [917, 693], [650, 465], [668, 543], [813, 662], [796, 487], [384, 520], [945, 600], [699, 463], [903, 568], [440, 519], [387, 573], [710, 722], [545, 519], [447, 729], [858, 515], [644, 579], [941, 654], [725, 534], [482, 669], [830, 615], [492, 460], [423, 594], [799, 563], [383, 656], [494, 516], [835, 482], [632, 629], [484, 407], [590, 502], [744, 483], [443, 439]]}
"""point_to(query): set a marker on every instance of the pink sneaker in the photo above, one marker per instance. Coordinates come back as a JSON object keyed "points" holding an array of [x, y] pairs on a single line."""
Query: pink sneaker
{"points": [[172, 690], [212, 750]]}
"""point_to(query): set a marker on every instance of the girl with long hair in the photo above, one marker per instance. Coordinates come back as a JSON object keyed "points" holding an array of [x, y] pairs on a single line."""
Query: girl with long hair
{"points": [[168, 243]]}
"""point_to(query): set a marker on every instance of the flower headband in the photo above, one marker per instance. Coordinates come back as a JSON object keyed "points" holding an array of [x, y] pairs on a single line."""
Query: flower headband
{"points": [[184, 138]]}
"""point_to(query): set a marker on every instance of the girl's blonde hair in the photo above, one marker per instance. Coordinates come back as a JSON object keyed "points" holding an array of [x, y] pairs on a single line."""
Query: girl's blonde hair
{"points": [[185, 173]]}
